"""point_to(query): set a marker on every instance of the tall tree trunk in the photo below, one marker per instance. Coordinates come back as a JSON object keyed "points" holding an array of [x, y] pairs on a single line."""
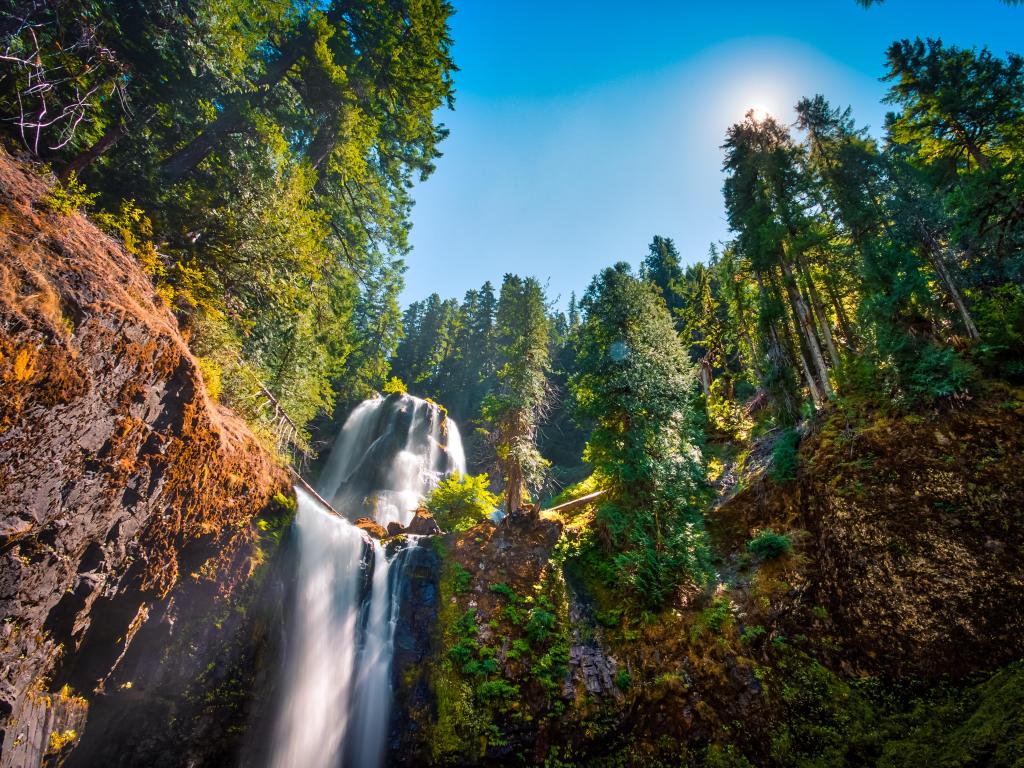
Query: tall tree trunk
{"points": [[935, 255], [107, 141], [849, 336], [514, 488], [741, 316], [819, 312], [778, 358], [799, 350], [805, 326], [704, 376]]}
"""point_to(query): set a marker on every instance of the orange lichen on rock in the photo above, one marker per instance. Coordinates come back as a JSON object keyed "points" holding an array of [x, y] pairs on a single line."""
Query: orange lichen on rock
{"points": [[118, 474]]}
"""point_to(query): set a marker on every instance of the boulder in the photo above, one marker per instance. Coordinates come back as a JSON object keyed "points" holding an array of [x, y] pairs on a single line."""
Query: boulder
{"points": [[394, 528], [423, 524], [371, 528]]}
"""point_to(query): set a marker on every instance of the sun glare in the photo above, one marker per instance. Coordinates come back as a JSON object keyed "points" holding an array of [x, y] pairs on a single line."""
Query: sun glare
{"points": [[759, 113]]}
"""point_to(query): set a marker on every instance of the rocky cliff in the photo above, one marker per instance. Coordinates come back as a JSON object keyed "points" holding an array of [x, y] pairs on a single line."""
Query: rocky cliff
{"points": [[886, 626], [132, 506]]}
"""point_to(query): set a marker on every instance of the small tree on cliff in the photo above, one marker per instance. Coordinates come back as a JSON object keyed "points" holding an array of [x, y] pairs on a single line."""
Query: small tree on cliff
{"points": [[520, 398], [635, 383]]}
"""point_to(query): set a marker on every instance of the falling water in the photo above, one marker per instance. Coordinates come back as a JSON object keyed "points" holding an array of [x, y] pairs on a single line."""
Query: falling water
{"points": [[334, 712]]}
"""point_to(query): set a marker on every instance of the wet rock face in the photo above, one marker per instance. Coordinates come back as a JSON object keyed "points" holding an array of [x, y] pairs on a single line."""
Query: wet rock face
{"points": [[119, 478], [415, 646], [591, 667]]}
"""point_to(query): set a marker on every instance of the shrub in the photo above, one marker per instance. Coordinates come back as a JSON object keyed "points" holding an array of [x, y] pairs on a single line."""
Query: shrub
{"points": [[540, 624], [69, 197], [135, 231], [461, 501], [623, 680], [938, 372], [491, 690], [768, 545], [784, 456], [394, 385], [212, 372]]}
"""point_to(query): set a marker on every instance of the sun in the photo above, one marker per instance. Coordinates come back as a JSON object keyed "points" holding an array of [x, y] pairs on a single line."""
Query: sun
{"points": [[759, 113]]}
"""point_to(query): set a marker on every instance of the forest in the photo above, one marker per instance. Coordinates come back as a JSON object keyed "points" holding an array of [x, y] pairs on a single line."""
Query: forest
{"points": [[258, 159]]}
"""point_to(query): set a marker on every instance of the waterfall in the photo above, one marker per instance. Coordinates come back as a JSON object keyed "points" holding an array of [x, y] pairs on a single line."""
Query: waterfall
{"points": [[337, 674]]}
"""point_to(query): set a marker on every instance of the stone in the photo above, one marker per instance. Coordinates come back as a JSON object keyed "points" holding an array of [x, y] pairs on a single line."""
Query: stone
{"points": [[371, 528], [423, 524]]}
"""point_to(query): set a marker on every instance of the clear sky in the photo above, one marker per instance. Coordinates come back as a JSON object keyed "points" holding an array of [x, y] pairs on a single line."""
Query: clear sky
{"points": [[581, 129]]}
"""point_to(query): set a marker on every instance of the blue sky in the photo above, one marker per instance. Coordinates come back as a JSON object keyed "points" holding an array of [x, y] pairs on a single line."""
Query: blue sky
{"points": [[582, 129]]}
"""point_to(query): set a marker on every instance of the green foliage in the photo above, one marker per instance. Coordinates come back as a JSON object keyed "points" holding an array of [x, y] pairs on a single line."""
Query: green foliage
{"points": [[769, 545], [785, 458], [750, 634], [978, 726], [633, 383], [394, 385], [491, 690], [828, 722], [714, 619], [623, 680], [505, 591], [461, 501], [518, 402], [272, 148], [725, 756], [212, 373], [69, 196], [461, 579]]}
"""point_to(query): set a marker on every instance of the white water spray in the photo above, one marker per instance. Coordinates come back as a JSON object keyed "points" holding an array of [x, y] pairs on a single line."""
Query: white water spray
{"points": [[337, 698]]}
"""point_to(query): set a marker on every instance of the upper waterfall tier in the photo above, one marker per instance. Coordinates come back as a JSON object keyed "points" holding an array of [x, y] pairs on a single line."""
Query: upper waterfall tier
{"points": [[391, 451]]}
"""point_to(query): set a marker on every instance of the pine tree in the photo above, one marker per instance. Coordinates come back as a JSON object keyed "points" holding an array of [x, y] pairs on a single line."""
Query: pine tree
{"points": [[520, 398], [634, 383], [662, 267]]}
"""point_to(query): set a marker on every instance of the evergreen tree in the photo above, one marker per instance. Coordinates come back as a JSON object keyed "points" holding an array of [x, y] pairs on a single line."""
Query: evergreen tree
{"points": [[760, 195], [634, 384], [862, 186], [520, 399], [271, 146], [662, 268]]}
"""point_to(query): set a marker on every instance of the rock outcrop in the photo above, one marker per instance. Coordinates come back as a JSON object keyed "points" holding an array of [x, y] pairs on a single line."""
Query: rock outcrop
{"points": [[128, 498], [912, 535]]}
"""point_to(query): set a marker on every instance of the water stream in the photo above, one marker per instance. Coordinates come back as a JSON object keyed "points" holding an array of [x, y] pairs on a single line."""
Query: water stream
{"points": [[337, 674]]}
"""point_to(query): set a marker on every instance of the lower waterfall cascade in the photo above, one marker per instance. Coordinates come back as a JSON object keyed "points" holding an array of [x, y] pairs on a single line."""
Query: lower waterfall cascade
{"points": [[337, 671]]}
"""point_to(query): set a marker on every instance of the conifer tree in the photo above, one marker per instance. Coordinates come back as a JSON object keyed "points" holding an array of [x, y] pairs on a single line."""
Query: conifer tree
{"points": [[634, 383], [516, 406]]}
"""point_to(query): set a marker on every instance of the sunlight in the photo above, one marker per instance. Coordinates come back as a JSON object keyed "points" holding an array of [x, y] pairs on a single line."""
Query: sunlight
{"points": [[759, 113]]}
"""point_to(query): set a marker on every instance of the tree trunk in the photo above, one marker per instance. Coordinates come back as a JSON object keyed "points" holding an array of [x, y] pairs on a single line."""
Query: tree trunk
{"points": [[844, 321], [704, 376], [232, 117], [778, 359], [744, 332], [83, 159], [819, 312], [805, 326], [514, 488], [935, 256]]}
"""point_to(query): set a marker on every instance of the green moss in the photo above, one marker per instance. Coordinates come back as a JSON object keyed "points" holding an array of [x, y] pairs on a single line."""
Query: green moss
{"points": [[982, 725]]}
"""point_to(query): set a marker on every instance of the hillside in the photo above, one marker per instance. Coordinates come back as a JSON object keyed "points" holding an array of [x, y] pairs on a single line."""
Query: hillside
{"points": [[130, 497]]}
